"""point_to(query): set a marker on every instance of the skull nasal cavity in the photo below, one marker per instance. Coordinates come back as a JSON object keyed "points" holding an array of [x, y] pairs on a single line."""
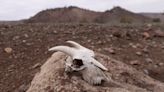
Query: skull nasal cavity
{"points": [[78, 62]]}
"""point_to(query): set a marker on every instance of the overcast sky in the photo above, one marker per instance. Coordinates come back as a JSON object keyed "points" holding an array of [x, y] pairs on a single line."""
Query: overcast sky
{"points": [[20, 9]]}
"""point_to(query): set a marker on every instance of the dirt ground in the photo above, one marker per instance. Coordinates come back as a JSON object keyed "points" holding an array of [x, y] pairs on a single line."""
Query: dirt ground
{"points": [[24, 48]]}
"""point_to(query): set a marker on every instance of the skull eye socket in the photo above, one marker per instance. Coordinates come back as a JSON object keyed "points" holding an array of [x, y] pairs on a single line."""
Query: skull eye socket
{"points": [[78, 62]]}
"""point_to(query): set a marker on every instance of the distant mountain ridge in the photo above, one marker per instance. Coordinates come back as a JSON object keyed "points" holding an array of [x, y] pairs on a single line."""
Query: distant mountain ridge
{"points": [[154, 15], [118, 14], [78, 15]]}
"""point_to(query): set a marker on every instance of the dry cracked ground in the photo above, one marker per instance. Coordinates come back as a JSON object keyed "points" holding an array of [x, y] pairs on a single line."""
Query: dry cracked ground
{"points": [[24, 48]]}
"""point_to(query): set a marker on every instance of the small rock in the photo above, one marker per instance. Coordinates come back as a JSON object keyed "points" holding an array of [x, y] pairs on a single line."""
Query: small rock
{"points": [[110, 50], [130, 44], [10, 70], [148, 27], [15, 56], [155, 66], [99, 42], [138, 53], [159, 33], [145, 50], [111, 36], [139, 45], [26, 35], [153, 42], [146, 35], [99, 49], [161, 64], [146, 71], [149, 60], [89, 40], [28, 44], [8, 50], [162, 47], [135, 62], [92, 43], [36, 65], [134, 46], [155, 45], [16, 37], [24, 41], [55, 32]]}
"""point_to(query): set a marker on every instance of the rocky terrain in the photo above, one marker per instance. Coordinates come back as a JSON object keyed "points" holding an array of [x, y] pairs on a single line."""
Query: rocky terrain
{"points": [[24, 48], [132, 41]]}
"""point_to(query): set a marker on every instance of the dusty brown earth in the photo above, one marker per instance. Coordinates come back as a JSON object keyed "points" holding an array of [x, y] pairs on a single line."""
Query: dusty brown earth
{"points": [[24, 48]]}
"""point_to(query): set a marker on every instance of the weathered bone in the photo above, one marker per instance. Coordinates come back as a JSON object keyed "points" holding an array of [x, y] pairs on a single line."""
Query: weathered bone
{"points": [[80, 47], [82, 53], [89, 68], [90, 73], [68, 50]]}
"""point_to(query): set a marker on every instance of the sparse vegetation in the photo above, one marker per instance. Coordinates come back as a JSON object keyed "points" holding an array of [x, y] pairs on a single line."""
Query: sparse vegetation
{"points": [[156, 20], [125, 20]]}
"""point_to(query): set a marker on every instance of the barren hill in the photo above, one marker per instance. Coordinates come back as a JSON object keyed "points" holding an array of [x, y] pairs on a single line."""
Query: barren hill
{"points": [[64, 15], [118, 14], [79, 15]]}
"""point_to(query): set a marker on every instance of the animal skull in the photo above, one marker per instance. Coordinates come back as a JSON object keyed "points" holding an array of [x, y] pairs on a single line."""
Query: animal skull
{"points": [[82, 60]]}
